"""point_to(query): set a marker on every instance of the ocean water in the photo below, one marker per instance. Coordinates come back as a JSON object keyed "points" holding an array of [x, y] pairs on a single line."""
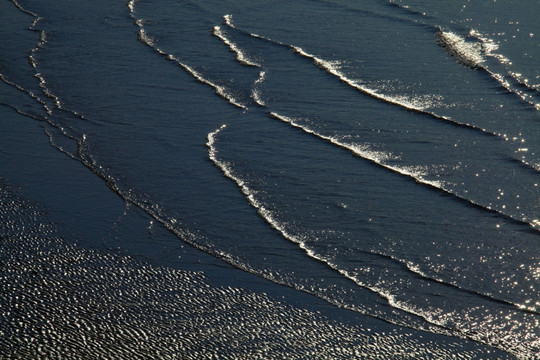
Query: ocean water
{"points": [[270, 179]]}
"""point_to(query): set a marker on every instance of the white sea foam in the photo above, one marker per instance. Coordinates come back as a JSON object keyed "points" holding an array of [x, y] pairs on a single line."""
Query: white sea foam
{"points": [[240, 56], [262, 77], [489, 46], [465, 52], [473, 55], [131, 6], [143, 36], [256, 92], [228, 20], [256, 95]]}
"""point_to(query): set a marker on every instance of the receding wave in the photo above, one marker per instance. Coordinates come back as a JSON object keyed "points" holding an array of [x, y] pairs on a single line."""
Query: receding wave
{"points": [[469, 53], [272, 220], [148, 40], [415, 269], [365, 152], [444, 323], [474, 54], [47, 93], [418, 105], [417, 175]]}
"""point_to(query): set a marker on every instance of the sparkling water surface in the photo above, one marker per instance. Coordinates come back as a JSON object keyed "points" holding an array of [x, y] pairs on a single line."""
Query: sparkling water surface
{"points": [[308, 179]]}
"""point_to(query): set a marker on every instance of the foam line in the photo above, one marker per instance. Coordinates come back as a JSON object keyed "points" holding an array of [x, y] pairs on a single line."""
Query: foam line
{"points": [[270, 218], [430, 316], [240, 56], [38, 75], [16, 3], [379, 158], [470, 54], [415, 271], [29, 93], [20, 112], [256, 92], [149, 41], [331, 68]]}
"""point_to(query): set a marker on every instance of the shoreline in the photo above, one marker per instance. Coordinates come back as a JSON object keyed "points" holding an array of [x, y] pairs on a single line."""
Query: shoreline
{"points": [[43, 175]]}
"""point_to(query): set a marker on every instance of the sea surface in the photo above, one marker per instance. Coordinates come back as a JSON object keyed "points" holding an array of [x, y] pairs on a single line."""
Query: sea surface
{"points": [[235, 179]]}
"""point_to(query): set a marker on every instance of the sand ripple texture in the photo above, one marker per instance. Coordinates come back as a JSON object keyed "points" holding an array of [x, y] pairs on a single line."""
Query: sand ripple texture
{"points": [[64, 302]]}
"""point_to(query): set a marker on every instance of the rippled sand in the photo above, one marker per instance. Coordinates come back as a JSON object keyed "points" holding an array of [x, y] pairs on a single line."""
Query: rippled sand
{"points": [[61, 301]]}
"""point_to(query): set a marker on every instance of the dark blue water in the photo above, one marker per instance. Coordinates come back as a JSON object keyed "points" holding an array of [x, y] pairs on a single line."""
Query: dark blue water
{"points": [[308, 179]]}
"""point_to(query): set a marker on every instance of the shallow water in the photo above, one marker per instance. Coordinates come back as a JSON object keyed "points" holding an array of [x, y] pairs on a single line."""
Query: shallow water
{"points": [[373, 165]]}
